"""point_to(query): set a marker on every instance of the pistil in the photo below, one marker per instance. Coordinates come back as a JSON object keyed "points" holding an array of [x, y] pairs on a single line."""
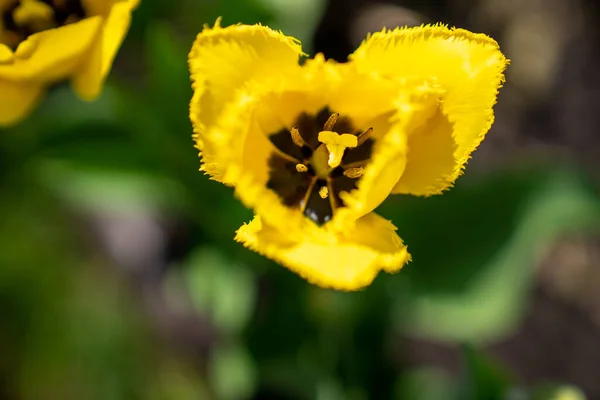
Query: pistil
{"points": [[336, 145]]}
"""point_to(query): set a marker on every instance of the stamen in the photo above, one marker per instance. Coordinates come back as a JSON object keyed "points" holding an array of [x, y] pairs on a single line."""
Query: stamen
{"points": [[331, 122], [323, 192], [301, 168], [304, 201], [354, 172], [35, 14], [336, 144], [364, 136], [296, 137]]}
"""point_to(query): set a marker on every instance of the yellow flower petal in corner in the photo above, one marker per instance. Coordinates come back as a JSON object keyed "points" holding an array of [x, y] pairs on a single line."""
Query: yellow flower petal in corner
{"points": [[52, 41], [16, 100], [469, 69], [350, 264], [88, 80], [55, 52]]}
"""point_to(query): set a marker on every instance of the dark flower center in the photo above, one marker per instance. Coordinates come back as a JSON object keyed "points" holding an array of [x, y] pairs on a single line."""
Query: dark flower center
{"points": [[22, 18], [296, 168]]}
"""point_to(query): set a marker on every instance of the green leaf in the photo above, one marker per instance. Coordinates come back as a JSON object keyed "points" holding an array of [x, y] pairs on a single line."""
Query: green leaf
{"points": [[169, 84], [297, 18], [425, 384], [475, 248], [483, 378], [557, 392], [221, 288], [91, 189], [232, 372], [232, 11]]}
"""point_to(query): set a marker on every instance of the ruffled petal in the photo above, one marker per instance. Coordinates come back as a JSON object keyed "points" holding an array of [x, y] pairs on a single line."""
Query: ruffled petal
{"points": [[17, 100], [468, 68], [222, 61], [53, 54], [344, 262], [89, 78]]}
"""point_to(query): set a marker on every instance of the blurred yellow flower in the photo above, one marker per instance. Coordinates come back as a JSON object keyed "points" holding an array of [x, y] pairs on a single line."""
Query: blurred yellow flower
{"points": [[46, 41], [314, 149]]}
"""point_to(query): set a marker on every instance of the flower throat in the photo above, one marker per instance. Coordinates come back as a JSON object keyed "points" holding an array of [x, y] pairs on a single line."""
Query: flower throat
{"points": [[22, 18], [319, 157]]}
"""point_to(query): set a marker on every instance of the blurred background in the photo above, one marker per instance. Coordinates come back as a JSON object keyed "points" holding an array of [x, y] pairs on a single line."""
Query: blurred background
{"points": [[119, 278]]}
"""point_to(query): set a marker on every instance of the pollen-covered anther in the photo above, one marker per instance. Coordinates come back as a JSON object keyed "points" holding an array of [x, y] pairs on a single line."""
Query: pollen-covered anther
{"points": [[296, 137], [354, 172], [336, 145], [364, 136], [301, 168], [330, 123], [323, 192]]}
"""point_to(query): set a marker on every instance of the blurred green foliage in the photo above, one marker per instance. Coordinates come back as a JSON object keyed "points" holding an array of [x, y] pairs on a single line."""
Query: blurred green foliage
{"points": [[75, 326]]}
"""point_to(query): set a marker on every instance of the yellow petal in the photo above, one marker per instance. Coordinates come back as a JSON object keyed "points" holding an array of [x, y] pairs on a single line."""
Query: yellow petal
{"points": [[345, 262], [53, 54], [468, 68], [222, 61], [6, 54], [87, 81], [432, 161], [17, 100], [104, 7]]}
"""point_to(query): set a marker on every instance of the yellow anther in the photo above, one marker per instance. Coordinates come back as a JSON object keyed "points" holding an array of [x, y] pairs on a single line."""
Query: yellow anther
{"points": [[336, 145], [331, 122], [34, 14], [323, 192], [354, 172], [301, 168], [296, 137], [364, 136]]}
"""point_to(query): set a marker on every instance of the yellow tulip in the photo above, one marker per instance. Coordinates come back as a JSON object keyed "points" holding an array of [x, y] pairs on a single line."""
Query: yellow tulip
{"points": [[313, 149], [44, 42]]}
